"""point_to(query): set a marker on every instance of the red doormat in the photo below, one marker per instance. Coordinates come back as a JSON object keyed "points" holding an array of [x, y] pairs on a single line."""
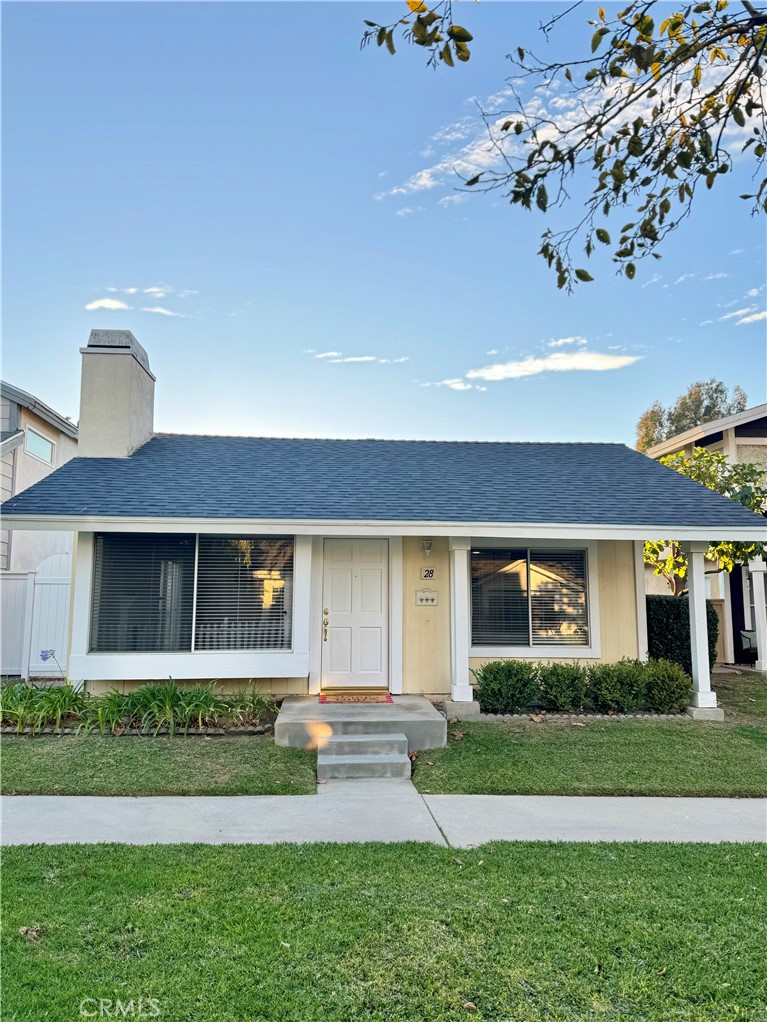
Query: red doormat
{"points": [[356, 697]]}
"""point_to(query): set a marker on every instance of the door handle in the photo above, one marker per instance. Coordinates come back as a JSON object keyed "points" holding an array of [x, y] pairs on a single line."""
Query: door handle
{"points": [[325, 623]]}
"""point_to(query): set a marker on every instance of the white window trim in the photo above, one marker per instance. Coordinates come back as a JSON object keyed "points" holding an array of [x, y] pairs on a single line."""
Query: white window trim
{"points": [[594, 649], [50, 440], [185, 665]]}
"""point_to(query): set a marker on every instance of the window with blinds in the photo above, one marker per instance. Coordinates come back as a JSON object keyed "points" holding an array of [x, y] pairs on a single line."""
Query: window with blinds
{"points": [[244, 593], [146, 595], [143, 590], [523, 597]]}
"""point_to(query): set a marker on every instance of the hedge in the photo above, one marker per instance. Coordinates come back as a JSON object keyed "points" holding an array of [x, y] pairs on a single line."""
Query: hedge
{"points": [[668, 630], [511, 686]]}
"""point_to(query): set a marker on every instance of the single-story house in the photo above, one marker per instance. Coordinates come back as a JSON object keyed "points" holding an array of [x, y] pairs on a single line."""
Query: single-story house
{"points": [[313, 564]]}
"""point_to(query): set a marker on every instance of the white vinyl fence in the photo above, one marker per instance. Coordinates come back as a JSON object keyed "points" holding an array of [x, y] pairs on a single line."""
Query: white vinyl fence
{"points": [[34, 614]]}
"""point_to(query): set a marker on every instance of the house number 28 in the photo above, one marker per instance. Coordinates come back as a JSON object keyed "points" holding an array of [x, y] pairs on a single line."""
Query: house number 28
{"points": [[428, 572]]}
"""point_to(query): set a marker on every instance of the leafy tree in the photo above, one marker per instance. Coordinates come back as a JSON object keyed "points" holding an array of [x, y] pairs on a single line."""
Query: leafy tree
{"points": [[702, 402], [662, 106], [745, 483]]}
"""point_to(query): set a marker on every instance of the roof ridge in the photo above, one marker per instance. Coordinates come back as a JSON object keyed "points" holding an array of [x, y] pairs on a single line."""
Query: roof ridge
{"points": [[390, 440]]}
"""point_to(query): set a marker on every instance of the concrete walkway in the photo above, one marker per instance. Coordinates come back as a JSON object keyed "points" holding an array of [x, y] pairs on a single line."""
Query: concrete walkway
{"points": [[377, 811]]}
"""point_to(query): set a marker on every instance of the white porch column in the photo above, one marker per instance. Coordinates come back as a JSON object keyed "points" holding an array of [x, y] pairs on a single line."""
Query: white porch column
{"points": [[702, 695], [80, 606], [461, 690], [758, 569]]}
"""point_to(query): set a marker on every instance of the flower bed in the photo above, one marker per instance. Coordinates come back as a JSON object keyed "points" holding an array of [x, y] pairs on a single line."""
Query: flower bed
{"points": [[152, 709]]}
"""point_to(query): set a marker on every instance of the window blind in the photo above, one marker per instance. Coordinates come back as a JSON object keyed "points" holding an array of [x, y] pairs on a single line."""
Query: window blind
{"points": [[522, 597], [244, 593], [558, 607], [142, 593], [499, 598]]}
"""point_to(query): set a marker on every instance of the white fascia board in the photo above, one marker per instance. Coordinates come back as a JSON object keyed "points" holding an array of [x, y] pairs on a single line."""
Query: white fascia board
{"points": [[341, 527], [706, 429]]}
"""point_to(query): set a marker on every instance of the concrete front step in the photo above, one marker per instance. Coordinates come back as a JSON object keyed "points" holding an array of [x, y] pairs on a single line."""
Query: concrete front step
{"points": [[393, 764], [305, 723], [364, 745]]}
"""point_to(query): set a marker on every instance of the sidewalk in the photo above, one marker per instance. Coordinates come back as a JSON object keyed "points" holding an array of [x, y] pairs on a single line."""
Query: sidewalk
{"points": [[351, 811]]}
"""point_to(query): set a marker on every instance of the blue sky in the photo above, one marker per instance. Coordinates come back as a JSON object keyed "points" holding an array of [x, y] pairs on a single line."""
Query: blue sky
{"points": [[253, 189]]}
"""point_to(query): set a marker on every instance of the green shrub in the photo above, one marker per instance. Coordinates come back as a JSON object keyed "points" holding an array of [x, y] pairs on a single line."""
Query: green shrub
{"points": [[668, 630], [506, 686], [562, 686], [619, 687], [667, 687]]}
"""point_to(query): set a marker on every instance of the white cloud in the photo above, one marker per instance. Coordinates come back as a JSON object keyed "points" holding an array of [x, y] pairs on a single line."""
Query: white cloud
{"points": [[752, 319], [738, 313], [106, 303], [455, 384], [656, 277], [160, 311], [453, 200], [754, 292], [684, 277], [706, 322], [716, 276], [328, 354], [404, 358], [571, 361], [356, 358], [158, 292], [409, 210], [492, 351], [561, 342]]}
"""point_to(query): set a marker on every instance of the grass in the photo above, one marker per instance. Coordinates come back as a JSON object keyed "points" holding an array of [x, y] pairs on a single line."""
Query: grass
{"points": [[92, 765], [599, 758], [330, 933], [743, 696]]}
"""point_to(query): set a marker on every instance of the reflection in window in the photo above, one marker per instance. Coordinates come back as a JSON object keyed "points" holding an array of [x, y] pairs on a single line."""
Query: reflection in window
{"points": [[522, 597], [244, 593], [39, 446]]}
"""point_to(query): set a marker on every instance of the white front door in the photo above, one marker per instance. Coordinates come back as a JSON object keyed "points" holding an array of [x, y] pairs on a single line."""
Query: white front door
{"points": [[355, 604]]}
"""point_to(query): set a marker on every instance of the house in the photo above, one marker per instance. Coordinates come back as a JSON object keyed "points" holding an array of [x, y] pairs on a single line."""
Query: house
{"points": [[35, 566], [314, 564], [742, 593], [34, 441]]}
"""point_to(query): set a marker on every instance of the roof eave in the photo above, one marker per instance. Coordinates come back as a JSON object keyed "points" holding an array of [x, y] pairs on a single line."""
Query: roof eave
{"points": [[363, 527]]}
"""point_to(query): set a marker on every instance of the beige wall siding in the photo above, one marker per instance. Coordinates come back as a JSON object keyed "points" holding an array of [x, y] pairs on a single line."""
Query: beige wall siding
{"points": [[278, 688], [617, 606], [29, 549], [6, 491], [617, 598], [426, 630]]}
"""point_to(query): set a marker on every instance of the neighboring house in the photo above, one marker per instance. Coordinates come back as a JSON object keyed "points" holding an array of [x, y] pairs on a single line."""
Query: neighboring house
{"points": [[740, 596], [313, 564], [35, 440], [35, 566]]}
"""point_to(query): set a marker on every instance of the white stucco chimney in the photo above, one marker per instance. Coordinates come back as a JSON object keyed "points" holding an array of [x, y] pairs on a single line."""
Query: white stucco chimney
{"points": [[116, 396]]}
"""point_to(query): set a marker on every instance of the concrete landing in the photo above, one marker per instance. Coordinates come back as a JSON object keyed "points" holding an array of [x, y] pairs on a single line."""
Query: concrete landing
{"points": [[305, 723]]}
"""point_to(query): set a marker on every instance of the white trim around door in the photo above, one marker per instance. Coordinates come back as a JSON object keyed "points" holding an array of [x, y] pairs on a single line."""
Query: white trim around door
{"points": [[389, 618]]}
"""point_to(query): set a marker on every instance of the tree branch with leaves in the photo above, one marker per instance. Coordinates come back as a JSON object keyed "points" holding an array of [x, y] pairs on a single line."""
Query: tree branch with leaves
{"points": [[656, 110]]}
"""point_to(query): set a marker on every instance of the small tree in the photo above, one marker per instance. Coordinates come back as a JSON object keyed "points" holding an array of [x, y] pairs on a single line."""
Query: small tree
{"points": [[702, 402], [747, 484]]}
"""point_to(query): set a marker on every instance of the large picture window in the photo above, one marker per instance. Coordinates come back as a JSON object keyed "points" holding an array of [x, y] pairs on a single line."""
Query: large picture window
{"points": [[527, 597], [179, 593]]}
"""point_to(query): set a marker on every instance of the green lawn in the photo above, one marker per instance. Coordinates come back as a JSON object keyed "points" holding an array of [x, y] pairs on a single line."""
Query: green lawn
{"points": [[599, 758], [742, 696], [332, 933], [92, 765]]}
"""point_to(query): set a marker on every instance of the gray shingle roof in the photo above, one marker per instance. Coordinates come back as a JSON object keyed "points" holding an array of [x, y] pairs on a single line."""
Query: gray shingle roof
{"points": [[250, 477]]}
